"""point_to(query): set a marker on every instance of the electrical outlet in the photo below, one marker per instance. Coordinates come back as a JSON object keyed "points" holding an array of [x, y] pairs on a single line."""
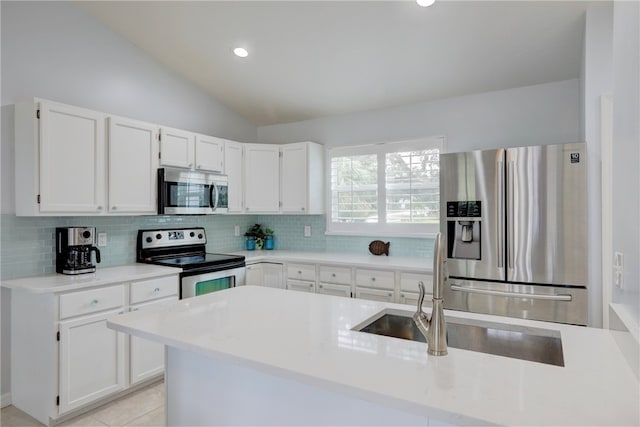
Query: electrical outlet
{"points": [[618, 269], [102, 239], [236, 230], [307, 231]]}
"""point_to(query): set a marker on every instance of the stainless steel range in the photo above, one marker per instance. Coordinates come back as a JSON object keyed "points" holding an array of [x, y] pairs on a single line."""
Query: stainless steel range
{"points": [[203, 272]]}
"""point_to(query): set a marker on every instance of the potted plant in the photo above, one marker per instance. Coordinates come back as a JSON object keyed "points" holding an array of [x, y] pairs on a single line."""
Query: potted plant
{"points": [[258, 238]]}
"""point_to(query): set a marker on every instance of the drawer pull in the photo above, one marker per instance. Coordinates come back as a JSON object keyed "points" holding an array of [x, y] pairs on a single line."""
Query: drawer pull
{"points": [[135, 309], [94, 302], [156, 290], [121, 312], [320, 286], [390, 294], [333, 274], [299, 272], [373, 279]]}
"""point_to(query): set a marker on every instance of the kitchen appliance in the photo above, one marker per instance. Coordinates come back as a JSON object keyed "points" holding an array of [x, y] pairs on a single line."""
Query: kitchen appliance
{"points": [[515, 225], [202, 272], [184, 192], [74, 246]]}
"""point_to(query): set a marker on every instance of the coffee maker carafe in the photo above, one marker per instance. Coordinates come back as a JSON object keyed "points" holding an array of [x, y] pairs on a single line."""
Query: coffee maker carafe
{"points": [[74, 246]]}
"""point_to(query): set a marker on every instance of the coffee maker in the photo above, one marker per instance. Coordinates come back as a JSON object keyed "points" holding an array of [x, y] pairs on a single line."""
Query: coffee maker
{"points": [[73, 250]]}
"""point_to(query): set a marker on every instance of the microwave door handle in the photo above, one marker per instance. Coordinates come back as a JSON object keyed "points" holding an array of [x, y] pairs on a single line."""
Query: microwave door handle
{"points": [[214, 206]]}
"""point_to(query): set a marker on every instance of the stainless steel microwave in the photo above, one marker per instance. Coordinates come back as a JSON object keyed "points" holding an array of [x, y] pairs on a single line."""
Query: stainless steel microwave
{"points": [[184, 192]]}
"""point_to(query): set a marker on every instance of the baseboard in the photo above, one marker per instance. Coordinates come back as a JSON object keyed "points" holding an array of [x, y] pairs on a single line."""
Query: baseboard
{"points": [[5, 400], [628, 339]]}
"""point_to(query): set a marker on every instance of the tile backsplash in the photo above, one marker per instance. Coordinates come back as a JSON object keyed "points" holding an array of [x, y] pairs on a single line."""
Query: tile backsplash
{"points": [[27, 243]]}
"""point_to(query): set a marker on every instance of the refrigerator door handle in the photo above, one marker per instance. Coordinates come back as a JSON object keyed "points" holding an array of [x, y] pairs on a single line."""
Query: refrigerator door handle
{"points": [[500, 213], [511, 213], [511, 294]]}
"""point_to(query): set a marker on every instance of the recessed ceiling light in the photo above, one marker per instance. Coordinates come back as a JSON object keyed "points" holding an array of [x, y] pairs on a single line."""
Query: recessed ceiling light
{"points": [[425, 3], [241, 52]]}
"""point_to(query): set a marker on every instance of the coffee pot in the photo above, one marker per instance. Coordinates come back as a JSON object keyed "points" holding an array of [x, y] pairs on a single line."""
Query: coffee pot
{"points": [[74, 246]]}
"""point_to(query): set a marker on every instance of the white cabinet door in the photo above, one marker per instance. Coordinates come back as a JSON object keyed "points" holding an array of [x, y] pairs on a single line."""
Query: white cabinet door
{"points": [[147, 357], [331, 289], [262, 177], [133, 164], [233, 168], [293, 178], [209, 153], [92, 360], [177, 148], [253, 275], [272, 275], [374, 294], [72, 159]]}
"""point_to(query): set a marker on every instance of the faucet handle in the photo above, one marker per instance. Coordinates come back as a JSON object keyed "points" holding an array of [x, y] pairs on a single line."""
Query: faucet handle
{"points": [[420, 297]]}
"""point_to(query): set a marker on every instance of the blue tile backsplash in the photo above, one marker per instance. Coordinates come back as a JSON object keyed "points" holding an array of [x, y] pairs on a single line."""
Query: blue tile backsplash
{"points": [[27, 243]]}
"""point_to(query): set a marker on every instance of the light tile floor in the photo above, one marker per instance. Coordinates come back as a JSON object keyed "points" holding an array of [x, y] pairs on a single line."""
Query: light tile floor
{"points": [[142, 408]]}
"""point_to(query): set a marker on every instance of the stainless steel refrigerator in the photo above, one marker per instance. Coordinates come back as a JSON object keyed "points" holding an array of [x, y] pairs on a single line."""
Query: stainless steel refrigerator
{"points": [[515, 226]]}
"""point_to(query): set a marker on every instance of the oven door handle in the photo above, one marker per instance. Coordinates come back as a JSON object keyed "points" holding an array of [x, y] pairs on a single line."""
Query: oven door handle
{"points": [[212, 204]]}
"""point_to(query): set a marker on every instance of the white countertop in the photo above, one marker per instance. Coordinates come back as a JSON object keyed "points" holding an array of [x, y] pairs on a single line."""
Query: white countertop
{"points": [[308, 338], [410, 264], [54, 282]]}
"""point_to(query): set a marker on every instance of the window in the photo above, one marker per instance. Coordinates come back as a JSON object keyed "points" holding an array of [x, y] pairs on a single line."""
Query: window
{"points": [[385, 189]]}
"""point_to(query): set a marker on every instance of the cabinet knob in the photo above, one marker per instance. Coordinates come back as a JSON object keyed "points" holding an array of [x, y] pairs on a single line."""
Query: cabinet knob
{"points": [[333, 274], [390, 294], [190, 164], [156, 290], [301, 209], [299, 272], [99, 208], [135, 309], [113, 208], [373, 279], [94, 302], [320, 286]]}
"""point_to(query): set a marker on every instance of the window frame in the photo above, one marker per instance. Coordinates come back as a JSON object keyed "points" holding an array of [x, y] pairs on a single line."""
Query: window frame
{"points": [[381, 228]]}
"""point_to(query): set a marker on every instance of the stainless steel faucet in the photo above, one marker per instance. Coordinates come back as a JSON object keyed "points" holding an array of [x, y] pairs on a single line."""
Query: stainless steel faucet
{"points": [[434, 329]]}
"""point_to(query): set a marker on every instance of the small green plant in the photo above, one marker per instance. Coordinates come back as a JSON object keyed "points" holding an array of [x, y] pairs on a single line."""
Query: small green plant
{"points": [[259, 234]]}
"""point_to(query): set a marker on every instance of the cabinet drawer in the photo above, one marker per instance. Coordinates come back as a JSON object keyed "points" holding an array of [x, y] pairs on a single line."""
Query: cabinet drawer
{"points": [[337, 290], [91, 301], [301, 272], [375, 278], [147, 290], [374, 294], [409, 281], [330, 274], [299, 285]]}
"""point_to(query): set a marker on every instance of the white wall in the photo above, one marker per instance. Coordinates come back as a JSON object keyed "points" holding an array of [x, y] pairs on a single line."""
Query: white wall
{"points": [[626, 151], [597, 79], [532, 115], [56, 51]]}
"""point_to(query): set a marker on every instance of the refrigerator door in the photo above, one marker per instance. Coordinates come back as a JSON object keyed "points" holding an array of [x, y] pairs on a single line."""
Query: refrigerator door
{"points": [[547, 214], [549, 303], [472, 213]]}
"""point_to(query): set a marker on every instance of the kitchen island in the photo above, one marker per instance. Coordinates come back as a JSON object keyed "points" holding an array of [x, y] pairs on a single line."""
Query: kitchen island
{"points": [[262, 356]]}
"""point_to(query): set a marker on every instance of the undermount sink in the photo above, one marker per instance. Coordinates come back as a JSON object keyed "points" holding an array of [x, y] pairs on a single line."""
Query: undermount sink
{"points": [[533, 344]]}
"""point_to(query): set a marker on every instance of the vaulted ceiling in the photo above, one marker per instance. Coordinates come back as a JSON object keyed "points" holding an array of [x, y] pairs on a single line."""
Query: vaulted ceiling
{"points": [[310, 59]]}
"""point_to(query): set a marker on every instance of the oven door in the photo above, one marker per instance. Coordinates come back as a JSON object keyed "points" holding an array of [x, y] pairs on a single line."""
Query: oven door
{"points": [[205, 283]]}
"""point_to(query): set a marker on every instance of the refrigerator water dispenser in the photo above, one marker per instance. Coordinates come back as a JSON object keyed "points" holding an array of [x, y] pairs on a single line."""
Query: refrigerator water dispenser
{"points": [[463, 230]]}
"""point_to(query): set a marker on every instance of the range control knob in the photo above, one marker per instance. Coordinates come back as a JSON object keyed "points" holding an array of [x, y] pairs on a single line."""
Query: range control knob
{"points": [[158, 236], [200, 236], [149, 239], [86, 234], [192, 234]]}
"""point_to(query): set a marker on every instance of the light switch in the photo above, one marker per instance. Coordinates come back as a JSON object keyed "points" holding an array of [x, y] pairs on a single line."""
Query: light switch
{"points": [[102, 239], [307, 231], [236, 230], [618, 269]]}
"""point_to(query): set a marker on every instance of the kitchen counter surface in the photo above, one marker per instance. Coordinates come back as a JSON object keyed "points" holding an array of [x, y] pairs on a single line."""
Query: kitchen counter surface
{"points": [[308, 338], [416, 264], [54, 282]]}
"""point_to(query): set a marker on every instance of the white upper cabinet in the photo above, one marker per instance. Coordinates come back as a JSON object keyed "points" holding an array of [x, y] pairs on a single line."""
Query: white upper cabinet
{"points": [[209, 153], [233, 168], [72, 159], [302, 178], [262, 178], [177, 148], [133, 164]]}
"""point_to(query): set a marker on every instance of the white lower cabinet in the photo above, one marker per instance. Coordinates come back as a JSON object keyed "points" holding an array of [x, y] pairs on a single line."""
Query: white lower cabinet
{"points": [[63, 355], [374, 294], [92, 360], [265, 274], [333, 289], [147, 357]]}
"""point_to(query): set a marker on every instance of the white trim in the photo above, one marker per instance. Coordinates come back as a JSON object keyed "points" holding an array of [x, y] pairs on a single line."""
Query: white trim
{"points": [[606, 155], [381, 234], [5, 400]]}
